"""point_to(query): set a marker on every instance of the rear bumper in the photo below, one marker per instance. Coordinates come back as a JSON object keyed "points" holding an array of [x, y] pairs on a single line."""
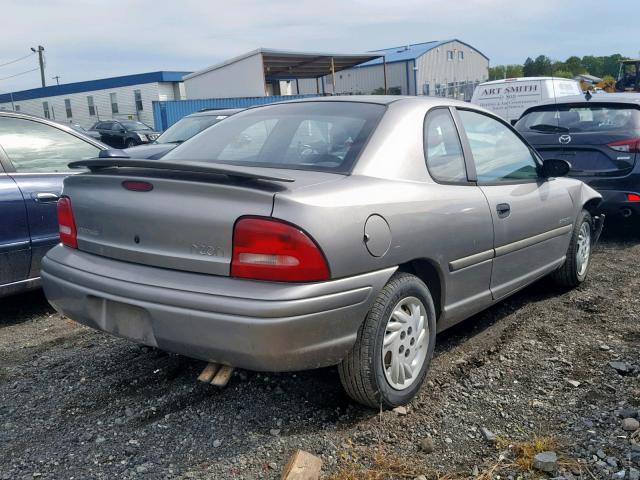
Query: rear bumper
{"points": [[615, 203], [248, 324]]}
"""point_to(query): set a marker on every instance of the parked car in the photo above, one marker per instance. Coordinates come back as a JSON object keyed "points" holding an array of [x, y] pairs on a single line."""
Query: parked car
{"points": [[512, 96], [33, 163], [182, 130], [341, 231], [124, 133], [90, 133], [600, 137]]}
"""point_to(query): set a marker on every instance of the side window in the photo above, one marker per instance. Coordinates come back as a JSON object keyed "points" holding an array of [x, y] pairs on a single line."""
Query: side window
{"points": [[116, 127], [443, 151], [36, 147], [248, 143], [499, 155]]}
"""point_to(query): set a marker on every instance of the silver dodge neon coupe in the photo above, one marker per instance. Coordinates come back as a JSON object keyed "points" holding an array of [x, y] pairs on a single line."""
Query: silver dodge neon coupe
{"points": [[339, 231]]}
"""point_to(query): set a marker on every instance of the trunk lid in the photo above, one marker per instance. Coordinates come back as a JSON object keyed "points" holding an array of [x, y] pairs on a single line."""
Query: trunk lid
{"points": [[184, 223], [588, 153]]}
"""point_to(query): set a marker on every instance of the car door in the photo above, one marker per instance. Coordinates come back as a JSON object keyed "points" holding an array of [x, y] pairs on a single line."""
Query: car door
{"points": [[37, 156], [106, 134], [15, 248], [459, 209], [118, 133], [532, 216]]}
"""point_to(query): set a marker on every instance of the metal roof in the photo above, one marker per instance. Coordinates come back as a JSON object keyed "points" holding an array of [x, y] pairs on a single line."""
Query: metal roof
{"points": [[405, 53], [287, 64], [90, 85]]}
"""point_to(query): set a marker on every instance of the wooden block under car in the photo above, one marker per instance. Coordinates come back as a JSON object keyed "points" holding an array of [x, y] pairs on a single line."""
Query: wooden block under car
{"points": [[222, 377], [302, 466]]}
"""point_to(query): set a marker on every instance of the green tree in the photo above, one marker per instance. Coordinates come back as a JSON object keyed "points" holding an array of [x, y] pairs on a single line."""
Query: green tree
{"points": [[497, 72], [528, 69], [593, 65], [574, 65], [611, 65], [514, 71], [543, 65], [563, 74]]}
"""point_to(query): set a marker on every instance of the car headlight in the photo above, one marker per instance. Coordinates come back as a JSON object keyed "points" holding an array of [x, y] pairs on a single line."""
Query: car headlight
{"points": [[142, 137]]}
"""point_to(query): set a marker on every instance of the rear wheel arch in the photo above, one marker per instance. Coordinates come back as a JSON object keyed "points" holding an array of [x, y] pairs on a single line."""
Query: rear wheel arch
{"points": [[429, 272]]}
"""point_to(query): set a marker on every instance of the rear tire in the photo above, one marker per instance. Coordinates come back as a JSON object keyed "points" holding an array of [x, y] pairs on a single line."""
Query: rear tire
{"points": [[390, 359], [576, 266]]}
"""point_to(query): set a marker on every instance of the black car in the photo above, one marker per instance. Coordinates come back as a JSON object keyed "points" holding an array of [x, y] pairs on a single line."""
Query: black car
{"points": [[182, 130], [599, 136], [125, 133]]}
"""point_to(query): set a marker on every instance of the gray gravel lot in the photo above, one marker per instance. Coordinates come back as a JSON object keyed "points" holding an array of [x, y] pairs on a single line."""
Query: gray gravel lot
{"points": [[75, 403]]}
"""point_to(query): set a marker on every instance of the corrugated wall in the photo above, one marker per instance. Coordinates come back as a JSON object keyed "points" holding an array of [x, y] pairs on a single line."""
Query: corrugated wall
{"points": [[166, 114]]}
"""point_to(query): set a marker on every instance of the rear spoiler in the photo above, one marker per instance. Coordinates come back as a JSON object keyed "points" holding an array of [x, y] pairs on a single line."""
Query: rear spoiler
{"points": [[254, 173]]}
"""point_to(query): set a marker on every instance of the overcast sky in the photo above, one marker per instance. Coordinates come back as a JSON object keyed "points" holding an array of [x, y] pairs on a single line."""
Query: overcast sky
{"points": [[88, 40]]}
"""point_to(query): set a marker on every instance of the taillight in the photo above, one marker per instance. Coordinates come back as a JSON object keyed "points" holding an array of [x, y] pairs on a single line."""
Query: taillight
{"points": [[268, 249], [67, 226], [632, 145], [633, 197]]}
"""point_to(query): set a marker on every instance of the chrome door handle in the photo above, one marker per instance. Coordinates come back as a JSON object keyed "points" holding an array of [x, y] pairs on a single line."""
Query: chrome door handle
{"points": [[46, 197]]}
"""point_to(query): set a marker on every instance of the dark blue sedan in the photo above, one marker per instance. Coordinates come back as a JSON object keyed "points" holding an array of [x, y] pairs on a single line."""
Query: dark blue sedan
{"points": [[34, 154]]}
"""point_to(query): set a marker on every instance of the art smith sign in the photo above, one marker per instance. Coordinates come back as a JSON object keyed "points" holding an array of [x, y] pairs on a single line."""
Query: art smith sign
{"points": [[518, 89]]}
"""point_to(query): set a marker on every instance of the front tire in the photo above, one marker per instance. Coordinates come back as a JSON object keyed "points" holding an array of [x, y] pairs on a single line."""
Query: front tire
{"points": [[576, 266], [131, 143], [390, 359]]}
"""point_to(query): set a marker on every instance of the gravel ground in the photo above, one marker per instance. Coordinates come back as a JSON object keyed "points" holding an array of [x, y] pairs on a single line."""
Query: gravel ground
{"points": [[75, 403]]}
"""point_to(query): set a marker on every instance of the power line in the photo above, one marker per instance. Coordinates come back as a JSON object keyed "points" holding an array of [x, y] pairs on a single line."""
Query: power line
{"points": [[21, 73], [17, 59]]}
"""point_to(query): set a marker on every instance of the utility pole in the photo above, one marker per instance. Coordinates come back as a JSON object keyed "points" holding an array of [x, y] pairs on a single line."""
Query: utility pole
{"points": [[57, 79], [40, 51]]}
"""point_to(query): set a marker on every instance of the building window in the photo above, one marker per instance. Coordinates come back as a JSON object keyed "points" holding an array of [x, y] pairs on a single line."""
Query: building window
{"points": [[67, 107], [460, 55], [17, 108], [138, 97], [114, 102], [92, 106], [449, 55], [45, 109]]}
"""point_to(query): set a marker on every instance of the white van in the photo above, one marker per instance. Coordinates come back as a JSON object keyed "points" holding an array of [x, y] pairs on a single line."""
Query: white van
{"points": [[510, 97]]}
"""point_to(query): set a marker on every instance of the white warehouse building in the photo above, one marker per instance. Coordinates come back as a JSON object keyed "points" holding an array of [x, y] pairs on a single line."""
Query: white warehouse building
{"points": [[84, 103], [449, 68]]}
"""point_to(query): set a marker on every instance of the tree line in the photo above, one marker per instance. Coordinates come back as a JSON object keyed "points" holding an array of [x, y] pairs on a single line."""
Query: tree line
{"points": [[543, 66]]}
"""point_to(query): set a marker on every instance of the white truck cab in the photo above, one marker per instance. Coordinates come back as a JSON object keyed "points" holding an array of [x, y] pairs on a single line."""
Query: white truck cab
{"points": [[510, 97]]}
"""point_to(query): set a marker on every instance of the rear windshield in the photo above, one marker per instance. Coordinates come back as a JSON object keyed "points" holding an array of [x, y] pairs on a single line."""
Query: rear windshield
{"points": [[187, 127], [321, 136], [591, 118]]}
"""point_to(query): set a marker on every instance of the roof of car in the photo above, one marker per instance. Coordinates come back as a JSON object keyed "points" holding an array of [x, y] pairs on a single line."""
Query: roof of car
{"points": [[60, 125], [630, 98], [215, 112]]}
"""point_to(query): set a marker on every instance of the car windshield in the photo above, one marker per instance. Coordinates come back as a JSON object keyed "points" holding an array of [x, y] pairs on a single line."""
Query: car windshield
{"points": [[321, 136], [187, 127], [132, 126], [581, 118]]}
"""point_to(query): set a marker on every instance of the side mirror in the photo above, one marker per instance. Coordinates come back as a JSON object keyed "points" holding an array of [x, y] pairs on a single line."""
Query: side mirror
{"points": [[555, 167], [123, 131]]}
